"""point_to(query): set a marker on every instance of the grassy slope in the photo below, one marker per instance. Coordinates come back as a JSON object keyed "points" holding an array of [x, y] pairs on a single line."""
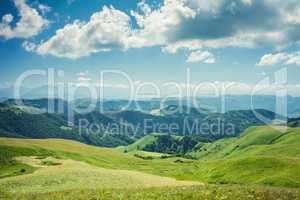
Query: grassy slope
{"points": [[141, 143], [101, 157], [10, 167], [255, 141], [144, 141], [136, 147], [68, 174], [168, 193], [260, 156]]}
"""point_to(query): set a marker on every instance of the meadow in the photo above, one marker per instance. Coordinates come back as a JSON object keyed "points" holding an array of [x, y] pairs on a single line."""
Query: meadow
{"points": [[209, 192], [262, 163]]}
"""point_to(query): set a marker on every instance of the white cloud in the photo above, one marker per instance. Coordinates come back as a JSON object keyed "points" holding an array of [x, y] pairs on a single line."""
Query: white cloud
{"points": [[111, 29], [201, 56], [222, 23], [180, 24], [29, 46], [155, 26], [7, 18], [236, 28], [186, 44], [30, 23], [106, 30], [243, 40], [272, 59], [44, 8], [280, 58], [293, 59]]}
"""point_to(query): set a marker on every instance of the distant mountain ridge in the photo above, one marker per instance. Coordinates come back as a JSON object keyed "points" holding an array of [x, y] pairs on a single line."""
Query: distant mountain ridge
{"points": [[122, 127], [295, 122], [15, 122], [216, 104], [236, 120]]}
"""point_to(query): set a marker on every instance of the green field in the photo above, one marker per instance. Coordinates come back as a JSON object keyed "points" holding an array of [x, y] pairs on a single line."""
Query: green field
{"points": [[139, 144], [167, 193], [247, 165]]}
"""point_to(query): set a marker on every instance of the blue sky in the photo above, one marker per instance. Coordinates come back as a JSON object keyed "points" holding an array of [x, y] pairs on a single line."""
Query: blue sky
{"points": [[226, 41]]}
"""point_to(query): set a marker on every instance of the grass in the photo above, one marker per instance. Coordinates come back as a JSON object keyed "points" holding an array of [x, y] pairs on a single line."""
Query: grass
{"points": [[255, 141], [10, 167], [102, 157], [167, 193], [15, 169], [252, 170], [76, 175], [49, 163], [259, 157], [137, 147], [141, 143]]}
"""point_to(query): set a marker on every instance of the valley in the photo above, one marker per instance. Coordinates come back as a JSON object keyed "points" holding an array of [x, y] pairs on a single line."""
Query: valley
{"points": [[259, 157], [43, 157]]}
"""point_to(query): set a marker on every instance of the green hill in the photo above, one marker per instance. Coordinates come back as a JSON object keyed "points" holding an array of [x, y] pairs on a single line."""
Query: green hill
{"points": [[59, 105], [16, 122], [141, 143], [123, 127], [260, 156], [56, 168], [190, 121], [294, 122], [255, 141], [164, 143]]}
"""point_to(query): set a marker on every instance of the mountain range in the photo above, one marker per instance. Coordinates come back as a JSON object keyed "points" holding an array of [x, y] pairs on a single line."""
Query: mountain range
{"points": [[122, 127]]}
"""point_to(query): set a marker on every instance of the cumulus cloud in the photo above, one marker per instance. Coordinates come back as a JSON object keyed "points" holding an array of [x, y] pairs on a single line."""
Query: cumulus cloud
{"points": [[30, 23], [106, 30], [201, 56], [293, 59], [44, 8], [112, 29], [29, 46], [280, 58], [157, 25], [225, 23], [6, 19], [181, 24]]}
